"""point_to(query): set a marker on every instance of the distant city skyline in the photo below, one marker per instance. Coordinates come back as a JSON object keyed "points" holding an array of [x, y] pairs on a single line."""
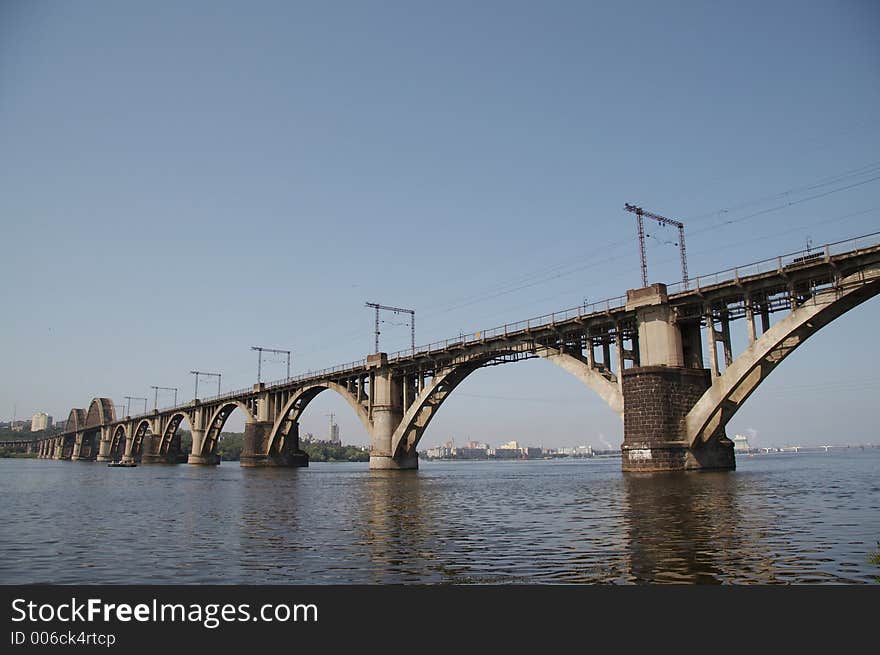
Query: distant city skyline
{"points": [[181, 184]]}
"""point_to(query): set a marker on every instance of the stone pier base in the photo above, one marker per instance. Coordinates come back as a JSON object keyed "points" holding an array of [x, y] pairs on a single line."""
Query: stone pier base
{"points": [[293, 460], [255, 450], [388, 463], [656, 402], [672, 456], [204, 460], [170, 458]]}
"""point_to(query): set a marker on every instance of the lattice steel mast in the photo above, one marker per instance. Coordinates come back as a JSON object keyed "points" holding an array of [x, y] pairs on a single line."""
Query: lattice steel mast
{"points": [[396, 310], [662, 220]]}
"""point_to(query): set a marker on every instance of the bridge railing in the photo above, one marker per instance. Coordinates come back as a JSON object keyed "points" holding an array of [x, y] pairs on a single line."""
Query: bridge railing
{"points": [[581, 311], [317, 375], [806, 256]]}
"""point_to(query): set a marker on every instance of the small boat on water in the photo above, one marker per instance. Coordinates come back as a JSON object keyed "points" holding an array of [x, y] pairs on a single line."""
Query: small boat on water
{"points": [[122, 464]]}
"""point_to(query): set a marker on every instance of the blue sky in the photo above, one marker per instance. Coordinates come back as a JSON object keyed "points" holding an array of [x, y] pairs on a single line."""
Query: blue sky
{"points": [[180, 183]]}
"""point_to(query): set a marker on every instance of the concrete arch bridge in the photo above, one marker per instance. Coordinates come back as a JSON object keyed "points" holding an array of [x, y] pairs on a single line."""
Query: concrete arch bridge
{"points": [[660, 357]]}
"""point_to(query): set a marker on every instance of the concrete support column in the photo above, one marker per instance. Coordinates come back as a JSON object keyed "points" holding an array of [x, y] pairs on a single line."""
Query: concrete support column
{"points": [[77, 446], [606, 355], [659, 340], [691, 343], [710, 333], [725, 339], [265, 410], [128, 456], [386, 396], [656, 401], [196, 456], [618, 342], [104, 445], [750, 320]]}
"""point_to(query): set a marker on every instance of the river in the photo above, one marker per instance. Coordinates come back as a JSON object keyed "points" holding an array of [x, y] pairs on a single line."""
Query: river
{"points": [[779, 518]]}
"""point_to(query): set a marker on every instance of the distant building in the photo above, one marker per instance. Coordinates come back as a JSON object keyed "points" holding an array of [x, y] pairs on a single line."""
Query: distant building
{"points": [[61, 424], [334, 434], [40, 421], [440, 452], [470, 453], [740, 443], [505, 452]]}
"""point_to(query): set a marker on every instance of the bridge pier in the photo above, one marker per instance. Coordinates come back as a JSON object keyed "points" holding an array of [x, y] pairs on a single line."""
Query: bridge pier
{"points": [[656, 401], [255, 451], [151, 449], [77, 447], [85, 447], [387, 413], [171, 457], [196, 456], [103, 449], [658, 395]]}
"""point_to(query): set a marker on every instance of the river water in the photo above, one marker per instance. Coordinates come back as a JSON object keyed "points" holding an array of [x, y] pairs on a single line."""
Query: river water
{"points": [[779, 518]]}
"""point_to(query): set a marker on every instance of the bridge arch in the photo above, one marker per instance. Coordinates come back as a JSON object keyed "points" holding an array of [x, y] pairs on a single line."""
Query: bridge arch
{"points": [[169, 436], [416, 419], [216, 423], [143, 429], [76, 420], [101, 412], [709, 416], [297, 404], [118, 442]]}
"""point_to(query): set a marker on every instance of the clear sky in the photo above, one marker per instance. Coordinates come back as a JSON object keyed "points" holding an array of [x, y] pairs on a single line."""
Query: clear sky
{"points": [[182, 181]]}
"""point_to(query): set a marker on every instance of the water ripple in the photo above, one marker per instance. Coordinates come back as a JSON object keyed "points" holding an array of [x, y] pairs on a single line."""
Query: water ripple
{"points": [[804, 519]]}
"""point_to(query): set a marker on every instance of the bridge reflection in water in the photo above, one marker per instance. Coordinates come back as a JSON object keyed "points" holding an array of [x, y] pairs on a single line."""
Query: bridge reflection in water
{"points": [[460, 523]]}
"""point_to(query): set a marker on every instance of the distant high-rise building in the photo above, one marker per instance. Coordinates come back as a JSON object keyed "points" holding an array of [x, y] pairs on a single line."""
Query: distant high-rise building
{"points": [[40, 421], [741, 443], [334, 434]]}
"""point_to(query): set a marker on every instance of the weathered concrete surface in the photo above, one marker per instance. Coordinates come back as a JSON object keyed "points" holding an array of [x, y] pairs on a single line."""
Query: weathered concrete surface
{"points": [[660, 342], [387, 413]]}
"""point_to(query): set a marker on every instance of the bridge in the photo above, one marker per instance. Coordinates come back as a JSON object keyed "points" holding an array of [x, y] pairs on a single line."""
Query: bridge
{"points": [[642, 353]]}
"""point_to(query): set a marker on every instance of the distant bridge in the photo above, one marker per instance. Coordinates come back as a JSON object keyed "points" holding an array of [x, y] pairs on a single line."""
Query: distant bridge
{"points": [[642, 353]]}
